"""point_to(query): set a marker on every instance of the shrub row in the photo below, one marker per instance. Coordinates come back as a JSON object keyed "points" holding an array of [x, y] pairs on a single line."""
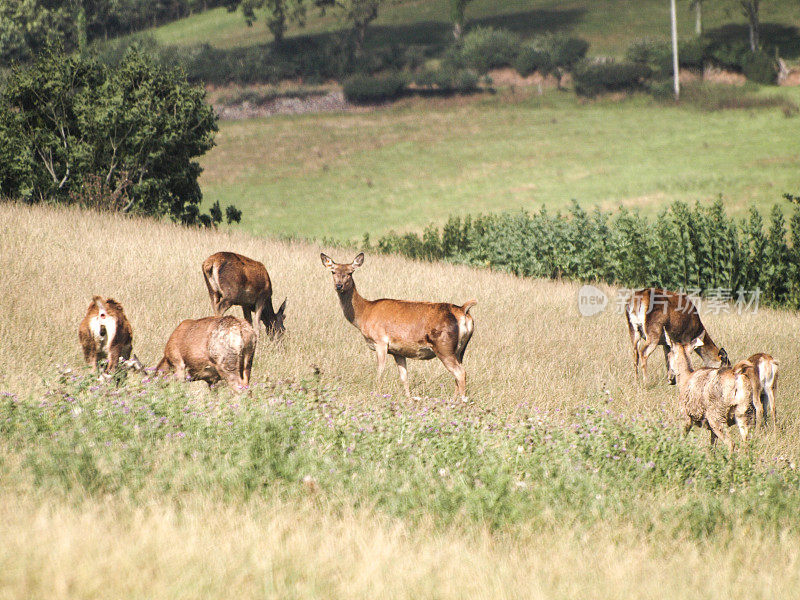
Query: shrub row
{"points": [[374, 89], [686, 247]]}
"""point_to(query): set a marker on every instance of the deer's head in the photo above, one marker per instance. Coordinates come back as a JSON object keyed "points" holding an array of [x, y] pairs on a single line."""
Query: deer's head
{"points": [[275, 327], [342, 273]]}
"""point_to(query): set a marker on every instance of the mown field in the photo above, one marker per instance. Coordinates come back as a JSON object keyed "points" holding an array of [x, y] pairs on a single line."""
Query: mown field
{"points": [[341, 175], [560, 478], [609, 25]]}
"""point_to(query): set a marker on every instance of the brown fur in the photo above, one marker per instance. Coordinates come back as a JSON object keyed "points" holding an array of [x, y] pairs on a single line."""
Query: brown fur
{"points": [[766, 369], [211, 349], [100, 345], [714, 398], [233, 279], [421, 330], [674, 313]]}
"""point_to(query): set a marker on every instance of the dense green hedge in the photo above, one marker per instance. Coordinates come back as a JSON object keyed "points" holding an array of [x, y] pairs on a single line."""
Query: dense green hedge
{"points": [[591, 79], [698, 247]]}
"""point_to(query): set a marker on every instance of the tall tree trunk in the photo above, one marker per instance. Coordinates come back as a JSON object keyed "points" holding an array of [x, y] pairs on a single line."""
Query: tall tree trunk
{"points": [[750, 8], [698, 17], [458, 29]]}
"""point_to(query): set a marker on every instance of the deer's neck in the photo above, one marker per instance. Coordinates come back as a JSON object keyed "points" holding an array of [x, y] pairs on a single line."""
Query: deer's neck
{"points": [[683, 368], [353, 306]]}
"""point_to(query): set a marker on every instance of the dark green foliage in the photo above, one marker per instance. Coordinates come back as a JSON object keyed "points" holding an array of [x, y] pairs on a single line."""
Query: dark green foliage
{"points": [[657, 54], [368, 89], [485, 48], [531, 59], [685, 247], [446, 80], [68, 122], [760, 67], [591, 79]]}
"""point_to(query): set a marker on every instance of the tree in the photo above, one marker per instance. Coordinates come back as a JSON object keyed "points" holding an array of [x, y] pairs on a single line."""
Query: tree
{"points": [[68, 122], [280, 13], [750, 10], [27, 26], [359, 13], [457, 11], [697, 5]]}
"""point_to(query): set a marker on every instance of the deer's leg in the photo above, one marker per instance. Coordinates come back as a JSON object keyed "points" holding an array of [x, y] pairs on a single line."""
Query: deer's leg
{"points": [[381, 350], [452, 364], [645, 354], [670, 374], [759, 407], [247, 366], [634, 333], [401, 367], [771, 397]]}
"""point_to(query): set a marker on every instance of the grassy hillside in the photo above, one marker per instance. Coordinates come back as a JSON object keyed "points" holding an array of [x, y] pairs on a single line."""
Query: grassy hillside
{"points": [[340, 175], [113, 506], [609, 25]]}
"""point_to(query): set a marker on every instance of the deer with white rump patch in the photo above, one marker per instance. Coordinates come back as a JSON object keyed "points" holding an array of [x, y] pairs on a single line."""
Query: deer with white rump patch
{"points": [[106, 335], [211, 349], [767, 372], [233, 279], [711, 398], [421, 330], [652, 313]]}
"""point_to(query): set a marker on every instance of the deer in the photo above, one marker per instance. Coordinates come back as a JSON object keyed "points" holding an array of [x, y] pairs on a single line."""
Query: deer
{"points": [[211, 349], [651, 313], [233, 279], [106, 335], [714, 398], [767, 371], [405, 329]]}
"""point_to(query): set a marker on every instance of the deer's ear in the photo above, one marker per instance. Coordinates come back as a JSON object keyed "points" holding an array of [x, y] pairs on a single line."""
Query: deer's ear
{"points": [[282, 309], [698, 341], [327, 262], [359, 260]]}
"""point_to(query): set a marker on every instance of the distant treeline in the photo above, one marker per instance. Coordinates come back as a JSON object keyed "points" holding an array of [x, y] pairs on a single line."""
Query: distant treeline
{"points": [[698, 247], [26, 28]]}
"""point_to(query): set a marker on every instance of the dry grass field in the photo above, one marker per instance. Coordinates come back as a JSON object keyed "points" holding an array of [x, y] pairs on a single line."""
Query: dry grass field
{"points": [[530, 346]]}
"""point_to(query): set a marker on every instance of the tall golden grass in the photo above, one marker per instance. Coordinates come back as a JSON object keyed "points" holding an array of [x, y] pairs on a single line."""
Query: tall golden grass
{"points": [[530, 346]]}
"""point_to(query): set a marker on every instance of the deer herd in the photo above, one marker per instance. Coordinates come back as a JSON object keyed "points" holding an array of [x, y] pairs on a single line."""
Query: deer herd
{"points": [[219, 347]]}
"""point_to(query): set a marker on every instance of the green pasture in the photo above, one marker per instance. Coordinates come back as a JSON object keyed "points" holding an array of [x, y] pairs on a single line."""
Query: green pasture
{"points": [[609, 25], [402, 167]]}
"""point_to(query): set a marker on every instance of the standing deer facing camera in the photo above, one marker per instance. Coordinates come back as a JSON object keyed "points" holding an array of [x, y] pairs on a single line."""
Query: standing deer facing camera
{"points": [[653, 313], [235, 279], [421, 330], [106, 334]]}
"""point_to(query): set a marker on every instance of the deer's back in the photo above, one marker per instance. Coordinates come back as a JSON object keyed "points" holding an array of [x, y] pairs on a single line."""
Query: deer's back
{"points": [[659, 310], [241, 280], [415, 329]]}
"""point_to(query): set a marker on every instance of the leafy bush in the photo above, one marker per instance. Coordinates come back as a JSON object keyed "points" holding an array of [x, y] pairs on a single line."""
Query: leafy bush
{"points": [[531, 59], [485, 48], [368, 89], [591, 79], [447, 80], [683, 247], [68, 119], [760, 67], [565, 51]]}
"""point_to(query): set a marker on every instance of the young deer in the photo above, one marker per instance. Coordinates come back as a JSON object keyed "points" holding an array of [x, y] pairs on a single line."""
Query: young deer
{"points": [[714, 398], [235, 279], [106, 334], [211, 349], [404, 329], [651, 313], [767, 372]]}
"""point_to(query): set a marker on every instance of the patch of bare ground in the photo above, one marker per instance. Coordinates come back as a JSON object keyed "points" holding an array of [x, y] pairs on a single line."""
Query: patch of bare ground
{"points": [[508, 77], [713, 74], [331, 101]]}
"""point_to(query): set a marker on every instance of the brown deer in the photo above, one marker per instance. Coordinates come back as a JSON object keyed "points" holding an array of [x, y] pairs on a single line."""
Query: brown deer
{"points": [[650, 313], [714, 398], [106, 335], [235, 279], [767, 372], [211, 349], [421, 330]]}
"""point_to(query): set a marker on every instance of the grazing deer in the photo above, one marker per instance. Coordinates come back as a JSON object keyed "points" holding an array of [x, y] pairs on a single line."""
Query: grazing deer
{"points": [[767, 372], [650, 313], [211, 349], [714, 398], [106, 334], [235, 279], [404, 329]]}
